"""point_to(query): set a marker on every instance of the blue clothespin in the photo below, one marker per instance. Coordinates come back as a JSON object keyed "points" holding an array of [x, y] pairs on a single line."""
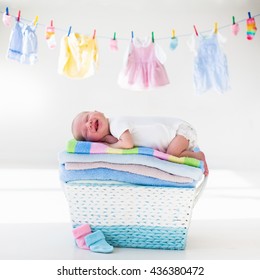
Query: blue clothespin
{"points": [[249, 14], [7, 11], [132, 33], [69, 31]]}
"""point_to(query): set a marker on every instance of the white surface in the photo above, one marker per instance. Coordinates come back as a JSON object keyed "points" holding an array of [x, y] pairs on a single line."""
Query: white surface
{"points": [[35, 224]]}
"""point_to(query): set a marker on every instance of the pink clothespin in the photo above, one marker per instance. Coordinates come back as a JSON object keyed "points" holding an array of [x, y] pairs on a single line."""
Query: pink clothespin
{"points": [[19, 15], [195, 29]]}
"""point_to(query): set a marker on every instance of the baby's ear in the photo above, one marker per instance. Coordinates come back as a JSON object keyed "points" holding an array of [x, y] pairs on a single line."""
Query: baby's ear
{"points": [[109, 139]]}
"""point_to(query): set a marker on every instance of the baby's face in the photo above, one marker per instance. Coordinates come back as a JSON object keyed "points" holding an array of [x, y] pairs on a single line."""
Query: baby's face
{"points": [[90, 126]]}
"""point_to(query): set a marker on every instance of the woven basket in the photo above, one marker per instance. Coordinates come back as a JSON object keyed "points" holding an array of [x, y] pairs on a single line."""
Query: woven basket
{"points": [[133, 215]]}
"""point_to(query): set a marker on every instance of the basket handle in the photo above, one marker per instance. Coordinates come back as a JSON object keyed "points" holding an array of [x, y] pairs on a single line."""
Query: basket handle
{"points": [[200, 188]]}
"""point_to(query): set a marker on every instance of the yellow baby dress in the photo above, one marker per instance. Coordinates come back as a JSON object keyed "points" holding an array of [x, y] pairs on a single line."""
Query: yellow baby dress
{"points": [[78, 56]]}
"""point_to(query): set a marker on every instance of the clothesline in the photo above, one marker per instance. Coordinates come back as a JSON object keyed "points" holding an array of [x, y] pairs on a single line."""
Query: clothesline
{"points": [[124, 38], [144, 67]]}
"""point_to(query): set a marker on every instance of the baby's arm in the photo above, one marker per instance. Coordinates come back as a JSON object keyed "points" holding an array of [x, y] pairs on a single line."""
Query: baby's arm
{"points": [[109, 139], [125, 141]]}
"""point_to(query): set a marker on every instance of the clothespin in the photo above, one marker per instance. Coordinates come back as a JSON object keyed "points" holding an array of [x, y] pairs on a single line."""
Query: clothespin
{"points": [[114, 37], [35, 20], [69, 31], [132, 35], [19, 15], [250, 27], [215, 27], [50, 36], [152, 37], [173, 41], [235, 26], [195, 29], [7, 11], [173, 33], [94, 34]]}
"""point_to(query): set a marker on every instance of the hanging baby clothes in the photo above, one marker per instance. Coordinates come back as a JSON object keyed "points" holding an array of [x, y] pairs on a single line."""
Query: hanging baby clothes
{"points": [[23, 45], [50, 36], [78, 56], [143, 68], [251, 28], [210, 64], [7, 20]]}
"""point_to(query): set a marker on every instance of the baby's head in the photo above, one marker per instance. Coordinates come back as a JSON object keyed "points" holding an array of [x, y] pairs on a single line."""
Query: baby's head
{"points": [[90, 126]]}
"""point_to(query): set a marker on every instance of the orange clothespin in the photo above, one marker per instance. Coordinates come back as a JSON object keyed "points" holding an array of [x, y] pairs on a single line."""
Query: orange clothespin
{"points": [[94, 34]]}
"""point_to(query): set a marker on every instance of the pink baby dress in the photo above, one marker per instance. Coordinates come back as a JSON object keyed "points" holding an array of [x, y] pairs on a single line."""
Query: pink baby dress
{"points": [[143, 68]]}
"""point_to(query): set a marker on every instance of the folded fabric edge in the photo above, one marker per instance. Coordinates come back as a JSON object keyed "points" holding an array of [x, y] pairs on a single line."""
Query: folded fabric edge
{"points": [[72, 148]]}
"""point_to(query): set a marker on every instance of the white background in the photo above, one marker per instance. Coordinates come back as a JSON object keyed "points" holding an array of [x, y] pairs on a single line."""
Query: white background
{"points": [[37, 104]]}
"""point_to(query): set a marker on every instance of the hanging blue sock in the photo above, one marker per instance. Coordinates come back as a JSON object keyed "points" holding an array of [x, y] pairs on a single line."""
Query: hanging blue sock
{"points": [[173, 43]]}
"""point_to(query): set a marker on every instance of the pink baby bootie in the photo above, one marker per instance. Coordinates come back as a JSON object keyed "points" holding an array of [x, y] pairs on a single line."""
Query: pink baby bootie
{"points": [[80, 233]]}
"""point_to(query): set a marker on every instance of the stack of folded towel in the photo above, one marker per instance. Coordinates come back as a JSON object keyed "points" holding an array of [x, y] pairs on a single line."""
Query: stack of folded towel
{"points": [[95, 169], [140, 165]]}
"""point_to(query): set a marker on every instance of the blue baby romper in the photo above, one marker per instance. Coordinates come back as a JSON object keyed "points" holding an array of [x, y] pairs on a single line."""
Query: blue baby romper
{"points": [[23, 46], [210, 65]]}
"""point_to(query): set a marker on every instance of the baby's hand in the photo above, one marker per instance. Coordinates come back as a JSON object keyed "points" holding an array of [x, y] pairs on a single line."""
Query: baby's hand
{"points": [[124, 142]]}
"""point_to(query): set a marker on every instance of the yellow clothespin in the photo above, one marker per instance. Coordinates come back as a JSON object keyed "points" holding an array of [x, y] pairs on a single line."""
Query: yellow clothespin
{"points": [[35, 20], [173, 33], [216, 28]]}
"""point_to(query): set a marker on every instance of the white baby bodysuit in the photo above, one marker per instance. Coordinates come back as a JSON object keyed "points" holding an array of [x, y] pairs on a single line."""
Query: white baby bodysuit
{"points": [[153, 132]]}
